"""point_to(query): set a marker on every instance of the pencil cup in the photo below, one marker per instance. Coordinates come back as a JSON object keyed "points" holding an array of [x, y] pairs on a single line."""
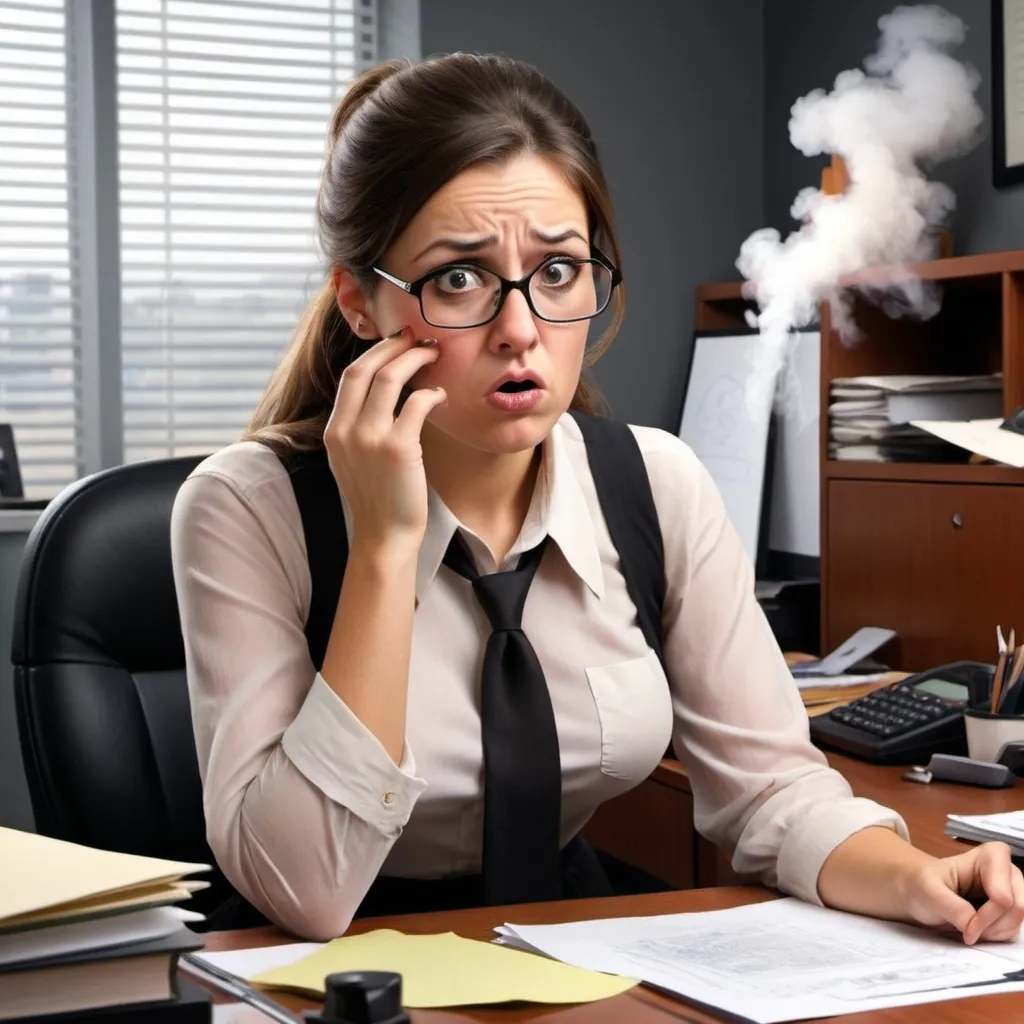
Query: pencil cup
{"points": [[988, 734]]}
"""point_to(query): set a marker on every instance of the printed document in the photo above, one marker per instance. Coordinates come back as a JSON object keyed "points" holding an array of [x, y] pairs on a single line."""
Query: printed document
{"points": [[782, 960]]}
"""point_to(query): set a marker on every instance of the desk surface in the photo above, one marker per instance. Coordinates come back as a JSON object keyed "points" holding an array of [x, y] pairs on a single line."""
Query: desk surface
{"points": [[923, 807], [638, 1006]]}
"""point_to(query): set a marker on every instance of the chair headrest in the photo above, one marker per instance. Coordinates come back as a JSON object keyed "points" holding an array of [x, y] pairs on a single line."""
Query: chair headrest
{"points": [[96, 583]]}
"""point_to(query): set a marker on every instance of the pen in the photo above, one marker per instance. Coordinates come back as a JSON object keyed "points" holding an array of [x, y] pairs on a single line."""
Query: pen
{"points": [[1011, 646], [237, 987], [1011, 697]]}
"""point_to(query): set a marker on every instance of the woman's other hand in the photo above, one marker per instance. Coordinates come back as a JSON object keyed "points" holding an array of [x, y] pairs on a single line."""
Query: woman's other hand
{"points": [[980, 893], [374, 450]]}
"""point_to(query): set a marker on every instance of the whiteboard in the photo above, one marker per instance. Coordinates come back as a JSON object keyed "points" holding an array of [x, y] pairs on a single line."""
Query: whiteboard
{"points": [[728, 428], [795, 509]]}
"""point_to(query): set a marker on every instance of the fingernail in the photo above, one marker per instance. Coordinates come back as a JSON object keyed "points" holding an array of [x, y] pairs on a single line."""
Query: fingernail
{"points": [[427, 341]]}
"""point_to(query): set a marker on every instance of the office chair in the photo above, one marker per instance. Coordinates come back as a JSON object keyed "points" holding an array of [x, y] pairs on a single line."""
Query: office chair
{"points": [[99, 672]]}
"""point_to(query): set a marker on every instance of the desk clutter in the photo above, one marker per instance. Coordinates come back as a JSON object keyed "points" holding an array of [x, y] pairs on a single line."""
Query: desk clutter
{"points": [[871, 419], [773, 961], [437, 970], [86, 934]]}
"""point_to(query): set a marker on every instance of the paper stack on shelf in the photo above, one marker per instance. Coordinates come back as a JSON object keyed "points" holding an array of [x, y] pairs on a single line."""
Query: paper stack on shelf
{"points": [[870, 418]]}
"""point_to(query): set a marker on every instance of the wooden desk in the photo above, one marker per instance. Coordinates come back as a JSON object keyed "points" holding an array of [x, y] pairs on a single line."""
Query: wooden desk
{"points": [[639, 1005], [652, 826]]}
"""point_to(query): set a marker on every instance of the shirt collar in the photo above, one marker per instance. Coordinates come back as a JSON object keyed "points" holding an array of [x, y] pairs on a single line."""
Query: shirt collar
{"points": [[558, 509]]}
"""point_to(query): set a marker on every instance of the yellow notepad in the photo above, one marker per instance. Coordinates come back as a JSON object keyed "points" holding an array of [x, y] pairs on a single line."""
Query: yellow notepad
{"points": [[447, 970]]}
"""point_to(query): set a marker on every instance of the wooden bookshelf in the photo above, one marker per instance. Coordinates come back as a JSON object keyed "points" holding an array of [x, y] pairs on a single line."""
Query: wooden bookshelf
{"points": [[934, 551]]}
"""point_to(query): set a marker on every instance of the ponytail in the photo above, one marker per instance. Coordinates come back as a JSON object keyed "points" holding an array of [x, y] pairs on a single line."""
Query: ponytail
{"points": [[293, 412]]}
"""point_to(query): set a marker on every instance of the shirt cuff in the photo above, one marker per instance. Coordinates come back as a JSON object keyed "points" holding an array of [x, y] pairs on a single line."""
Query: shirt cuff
{"points": [[332, 748], [819, 831]]}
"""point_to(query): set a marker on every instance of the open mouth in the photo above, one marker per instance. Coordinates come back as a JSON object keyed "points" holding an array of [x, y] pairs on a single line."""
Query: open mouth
{"points": [[510, 387]]}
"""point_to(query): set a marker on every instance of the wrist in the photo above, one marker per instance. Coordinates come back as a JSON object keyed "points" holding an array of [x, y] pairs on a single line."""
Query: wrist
{"points": [[383, 558]]}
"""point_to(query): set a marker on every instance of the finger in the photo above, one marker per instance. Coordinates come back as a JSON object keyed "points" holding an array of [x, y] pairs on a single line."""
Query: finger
{"points": [[358, 376], [946, 904], [418, 406], [1007, 926], [386, 389], [992, 870], [995, 869]]}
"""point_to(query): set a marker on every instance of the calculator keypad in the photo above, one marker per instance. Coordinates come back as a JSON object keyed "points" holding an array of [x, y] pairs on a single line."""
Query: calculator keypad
{"points": [[892, 712]]}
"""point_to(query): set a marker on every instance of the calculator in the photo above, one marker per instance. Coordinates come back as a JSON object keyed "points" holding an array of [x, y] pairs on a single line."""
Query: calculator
{"points": [[908, 721]]}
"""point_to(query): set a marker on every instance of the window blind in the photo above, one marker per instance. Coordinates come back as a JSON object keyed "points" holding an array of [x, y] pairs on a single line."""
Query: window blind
{"points": [[38, 309], [223, 109]]}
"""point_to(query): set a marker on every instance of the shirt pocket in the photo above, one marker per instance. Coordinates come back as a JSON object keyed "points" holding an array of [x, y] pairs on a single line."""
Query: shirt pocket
{"points": [[634, 708]]}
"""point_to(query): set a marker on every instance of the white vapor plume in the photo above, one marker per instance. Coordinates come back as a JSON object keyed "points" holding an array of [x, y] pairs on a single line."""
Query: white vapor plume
{"points": [[913, 104]]}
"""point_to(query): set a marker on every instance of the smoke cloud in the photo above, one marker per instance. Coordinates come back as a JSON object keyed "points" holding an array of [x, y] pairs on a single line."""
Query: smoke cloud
{"points": [[912, 106]]}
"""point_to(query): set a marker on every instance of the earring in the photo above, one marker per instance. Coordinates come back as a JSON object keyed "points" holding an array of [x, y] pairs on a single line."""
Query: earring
{"points": [[360, 323]]}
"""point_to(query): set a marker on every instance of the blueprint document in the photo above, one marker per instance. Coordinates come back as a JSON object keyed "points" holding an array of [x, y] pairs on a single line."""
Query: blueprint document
{"points": [[782, 960]]}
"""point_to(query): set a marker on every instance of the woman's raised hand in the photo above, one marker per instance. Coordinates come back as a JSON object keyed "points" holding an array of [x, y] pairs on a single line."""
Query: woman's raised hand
{"points": [[374, 450]]}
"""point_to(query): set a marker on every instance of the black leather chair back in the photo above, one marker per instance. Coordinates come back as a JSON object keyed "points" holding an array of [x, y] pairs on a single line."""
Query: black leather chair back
{"points": [[99, 671]]}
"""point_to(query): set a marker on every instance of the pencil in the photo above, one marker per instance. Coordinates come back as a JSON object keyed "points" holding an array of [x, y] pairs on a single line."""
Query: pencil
{"points": [[997, 683]]}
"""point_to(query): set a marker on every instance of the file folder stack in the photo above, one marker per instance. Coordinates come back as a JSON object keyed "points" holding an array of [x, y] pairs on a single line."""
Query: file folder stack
{"points": [[88, 934], [870, 417]]}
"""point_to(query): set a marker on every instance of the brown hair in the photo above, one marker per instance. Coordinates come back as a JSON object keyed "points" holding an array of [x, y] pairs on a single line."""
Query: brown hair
{"points": [[399, 133]]}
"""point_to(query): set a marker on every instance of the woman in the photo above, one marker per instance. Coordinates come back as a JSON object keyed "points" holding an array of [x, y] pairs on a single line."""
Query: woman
{"points": [[468, 231]]}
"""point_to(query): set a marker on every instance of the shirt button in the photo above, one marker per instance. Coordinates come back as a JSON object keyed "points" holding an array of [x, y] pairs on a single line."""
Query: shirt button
{"points": [[387, 799]]}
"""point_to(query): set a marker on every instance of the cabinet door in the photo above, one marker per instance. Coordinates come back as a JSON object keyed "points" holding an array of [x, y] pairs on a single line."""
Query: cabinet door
{"points": [[941, 564]]}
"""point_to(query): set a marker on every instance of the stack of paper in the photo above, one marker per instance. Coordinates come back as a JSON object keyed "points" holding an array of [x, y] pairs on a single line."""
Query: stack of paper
{"points": [[983, 828], [873, 418], [782, 960], [82, 928]]}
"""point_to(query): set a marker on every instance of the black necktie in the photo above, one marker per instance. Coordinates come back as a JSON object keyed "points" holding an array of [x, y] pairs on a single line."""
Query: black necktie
{"points": [[522, 770]]}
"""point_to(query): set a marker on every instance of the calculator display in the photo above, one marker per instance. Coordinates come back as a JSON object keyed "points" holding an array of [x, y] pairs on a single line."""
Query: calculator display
{"points": [[943, 688]]}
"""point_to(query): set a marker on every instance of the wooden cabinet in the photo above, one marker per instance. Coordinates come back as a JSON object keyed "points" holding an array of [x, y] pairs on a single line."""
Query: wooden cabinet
{"points": [[936, 562], [934, 551], [651, 827]]}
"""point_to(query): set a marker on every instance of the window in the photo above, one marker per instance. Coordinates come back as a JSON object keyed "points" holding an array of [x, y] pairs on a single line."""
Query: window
{"points": [[222, 111], [38, 301]]}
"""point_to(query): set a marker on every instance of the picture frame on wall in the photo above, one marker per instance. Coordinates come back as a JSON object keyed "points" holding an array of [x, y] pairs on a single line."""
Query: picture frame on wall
{"points": [[1008, 92]]}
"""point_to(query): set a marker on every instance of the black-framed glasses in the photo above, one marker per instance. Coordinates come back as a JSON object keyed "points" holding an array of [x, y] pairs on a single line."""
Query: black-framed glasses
{"points": [[561, 290]]}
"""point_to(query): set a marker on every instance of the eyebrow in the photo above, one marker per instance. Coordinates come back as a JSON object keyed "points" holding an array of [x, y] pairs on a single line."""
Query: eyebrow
{"points": [[478, 244]]}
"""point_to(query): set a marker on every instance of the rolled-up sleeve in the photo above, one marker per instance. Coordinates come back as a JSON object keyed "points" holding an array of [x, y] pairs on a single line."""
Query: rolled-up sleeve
{"points": [[762, 792], [302, 802], [366, 781]]}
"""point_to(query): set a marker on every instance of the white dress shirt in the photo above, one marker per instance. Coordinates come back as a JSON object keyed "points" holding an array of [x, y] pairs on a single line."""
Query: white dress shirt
{"points": [[303, 805]]}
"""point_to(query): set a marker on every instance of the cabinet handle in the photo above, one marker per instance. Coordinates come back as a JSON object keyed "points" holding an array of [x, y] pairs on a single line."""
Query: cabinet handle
{"points": [[958, 520]]}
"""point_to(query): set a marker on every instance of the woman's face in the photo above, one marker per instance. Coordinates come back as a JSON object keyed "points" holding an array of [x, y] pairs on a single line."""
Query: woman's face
{"points": [[508, 219]]}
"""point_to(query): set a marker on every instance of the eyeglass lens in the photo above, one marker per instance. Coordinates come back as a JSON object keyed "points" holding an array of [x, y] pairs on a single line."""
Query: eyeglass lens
{"points": [[561, 291]]}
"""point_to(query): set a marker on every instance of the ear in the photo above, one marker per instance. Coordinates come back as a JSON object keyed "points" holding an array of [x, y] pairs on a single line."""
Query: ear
{"points": [[353, 304]]}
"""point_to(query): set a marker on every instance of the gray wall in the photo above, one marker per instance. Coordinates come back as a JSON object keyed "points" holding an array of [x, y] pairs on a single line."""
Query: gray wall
{"points": [[15, 811], [672, 91], [807, 43]]}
